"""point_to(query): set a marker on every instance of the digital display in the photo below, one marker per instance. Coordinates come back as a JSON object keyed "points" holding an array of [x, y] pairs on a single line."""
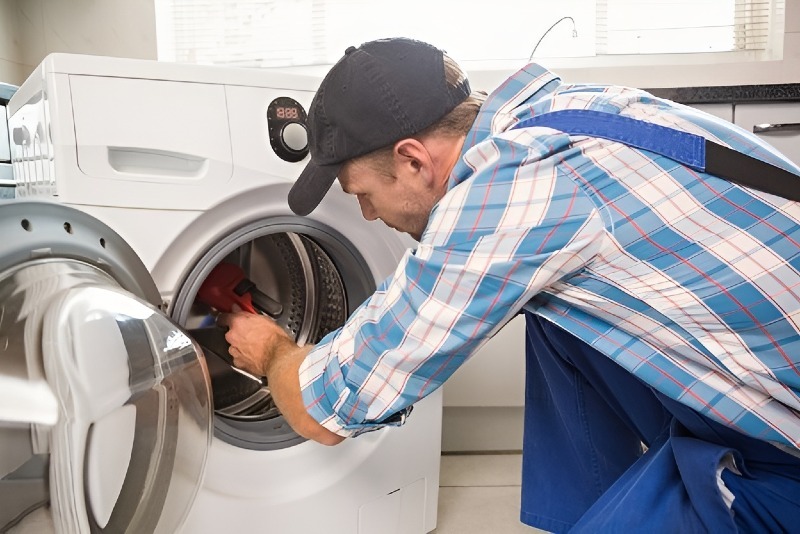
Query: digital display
{"points": [[286, 124], [287, 112]]}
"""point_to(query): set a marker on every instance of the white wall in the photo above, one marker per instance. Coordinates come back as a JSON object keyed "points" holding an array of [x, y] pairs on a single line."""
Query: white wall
{"points": [[31, 29], [12, 70]]}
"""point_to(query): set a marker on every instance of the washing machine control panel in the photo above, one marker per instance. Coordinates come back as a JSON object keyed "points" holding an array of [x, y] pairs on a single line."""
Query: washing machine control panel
{"points": [[286, 122]]}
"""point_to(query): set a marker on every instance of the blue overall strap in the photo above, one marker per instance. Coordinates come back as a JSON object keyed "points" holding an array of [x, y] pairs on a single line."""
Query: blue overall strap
{"points": [[694, 151]]}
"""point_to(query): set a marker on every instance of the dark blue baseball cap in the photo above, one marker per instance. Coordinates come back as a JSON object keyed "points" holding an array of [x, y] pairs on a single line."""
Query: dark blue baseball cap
{"points": [[375, 95]]}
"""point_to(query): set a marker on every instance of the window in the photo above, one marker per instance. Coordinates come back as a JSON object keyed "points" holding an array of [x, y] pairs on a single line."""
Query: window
{"points": [[680, 26], [270, 33]]}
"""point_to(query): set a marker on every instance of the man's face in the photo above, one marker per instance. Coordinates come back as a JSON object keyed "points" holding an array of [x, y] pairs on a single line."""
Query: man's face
{"points": [[397, 197]]}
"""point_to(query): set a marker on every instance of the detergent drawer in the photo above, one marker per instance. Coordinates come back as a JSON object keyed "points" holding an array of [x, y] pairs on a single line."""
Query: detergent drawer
{"points": [[147, 142]]}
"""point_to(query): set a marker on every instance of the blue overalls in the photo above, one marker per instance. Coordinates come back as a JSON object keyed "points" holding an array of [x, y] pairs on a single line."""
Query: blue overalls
{"points": [[585, 469]]}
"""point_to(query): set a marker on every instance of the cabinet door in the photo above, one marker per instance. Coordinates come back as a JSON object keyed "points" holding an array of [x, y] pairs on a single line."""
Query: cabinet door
{"points": [[495, 375], [723, 111], [776, 123]]}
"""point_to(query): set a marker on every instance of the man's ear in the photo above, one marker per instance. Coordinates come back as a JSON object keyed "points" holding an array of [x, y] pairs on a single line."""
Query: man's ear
{"points": [[414, 157]]}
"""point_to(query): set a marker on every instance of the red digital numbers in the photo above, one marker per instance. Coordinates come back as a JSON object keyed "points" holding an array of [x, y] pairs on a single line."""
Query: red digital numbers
{"points": [[287, 113]]}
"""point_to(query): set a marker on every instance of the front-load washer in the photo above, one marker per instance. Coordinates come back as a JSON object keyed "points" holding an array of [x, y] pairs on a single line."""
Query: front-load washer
{"points": [[191, 166]]}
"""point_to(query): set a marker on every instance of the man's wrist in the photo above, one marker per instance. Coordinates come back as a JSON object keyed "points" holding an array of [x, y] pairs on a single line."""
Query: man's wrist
{"points": [[281, 353], [284, 381]]}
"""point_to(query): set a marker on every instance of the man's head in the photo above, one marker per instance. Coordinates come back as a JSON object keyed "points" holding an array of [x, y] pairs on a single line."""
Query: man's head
{"points": [[382, 117]]}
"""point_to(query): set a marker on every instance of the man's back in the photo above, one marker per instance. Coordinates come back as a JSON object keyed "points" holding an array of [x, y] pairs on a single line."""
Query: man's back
{"points": [[686, 280]]}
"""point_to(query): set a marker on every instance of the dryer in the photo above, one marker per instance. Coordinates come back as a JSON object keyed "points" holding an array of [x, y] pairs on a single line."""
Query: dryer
{"points": [[191, 166]]}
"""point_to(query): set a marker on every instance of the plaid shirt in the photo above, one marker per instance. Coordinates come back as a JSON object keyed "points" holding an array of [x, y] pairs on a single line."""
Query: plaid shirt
{"points": [[687, 281]]}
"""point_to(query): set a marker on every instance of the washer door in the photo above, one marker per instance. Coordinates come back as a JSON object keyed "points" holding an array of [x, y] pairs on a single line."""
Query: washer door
{"points": [[123, 421]]}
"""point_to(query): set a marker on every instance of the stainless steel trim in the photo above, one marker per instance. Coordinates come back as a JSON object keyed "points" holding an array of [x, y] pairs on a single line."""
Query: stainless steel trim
{"points": [[783, 127]]}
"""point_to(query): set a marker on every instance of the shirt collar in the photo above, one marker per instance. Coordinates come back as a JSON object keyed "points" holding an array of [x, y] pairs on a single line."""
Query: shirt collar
{"points": [[500, 110]]}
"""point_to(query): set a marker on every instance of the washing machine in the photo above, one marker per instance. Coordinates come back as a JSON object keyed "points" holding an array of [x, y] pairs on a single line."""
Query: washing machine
{"points": [[188, 167]]}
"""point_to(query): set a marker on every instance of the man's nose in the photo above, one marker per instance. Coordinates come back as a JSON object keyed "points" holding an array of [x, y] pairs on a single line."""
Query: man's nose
{"points": [[367, 211]]}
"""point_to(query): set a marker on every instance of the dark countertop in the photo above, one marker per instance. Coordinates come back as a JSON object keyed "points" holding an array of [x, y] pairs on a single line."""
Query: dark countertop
{"points": [[785, 92]]}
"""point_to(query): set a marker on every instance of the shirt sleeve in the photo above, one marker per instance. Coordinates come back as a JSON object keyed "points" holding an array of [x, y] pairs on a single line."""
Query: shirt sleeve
{"points": [[516, 223]]}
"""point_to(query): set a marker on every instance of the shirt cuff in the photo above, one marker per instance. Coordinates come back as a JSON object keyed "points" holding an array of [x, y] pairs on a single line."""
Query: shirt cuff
{"points": [[334, 405]]}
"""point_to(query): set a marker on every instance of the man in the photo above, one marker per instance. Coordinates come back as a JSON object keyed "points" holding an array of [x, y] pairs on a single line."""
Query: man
{"points": [[661, 301]]}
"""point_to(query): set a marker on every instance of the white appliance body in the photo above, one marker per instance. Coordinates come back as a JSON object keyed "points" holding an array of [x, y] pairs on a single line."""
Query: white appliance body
{"points": [[177, 159]]}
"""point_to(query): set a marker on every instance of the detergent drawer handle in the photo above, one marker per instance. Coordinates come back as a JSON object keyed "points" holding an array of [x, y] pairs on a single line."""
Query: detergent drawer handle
{"points": [[768, 128], [148, 161]]}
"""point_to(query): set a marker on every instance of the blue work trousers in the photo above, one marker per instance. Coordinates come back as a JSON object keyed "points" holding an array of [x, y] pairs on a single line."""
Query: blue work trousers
{"points": [[603, 452]]}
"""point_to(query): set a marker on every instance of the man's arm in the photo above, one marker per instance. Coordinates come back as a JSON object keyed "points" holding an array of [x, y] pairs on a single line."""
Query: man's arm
{"points": [[261, 347], [284, 383]]}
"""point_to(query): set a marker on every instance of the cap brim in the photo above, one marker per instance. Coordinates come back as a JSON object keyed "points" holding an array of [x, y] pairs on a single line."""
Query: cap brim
{"points": [[311, 186]]}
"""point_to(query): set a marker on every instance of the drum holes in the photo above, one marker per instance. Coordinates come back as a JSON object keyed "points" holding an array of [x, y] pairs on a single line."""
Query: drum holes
{"points": [[68, 227], [26, 225]]}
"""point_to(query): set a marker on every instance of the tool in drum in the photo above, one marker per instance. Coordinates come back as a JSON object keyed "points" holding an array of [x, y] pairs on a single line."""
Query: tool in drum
{"points": [[227, 285]]}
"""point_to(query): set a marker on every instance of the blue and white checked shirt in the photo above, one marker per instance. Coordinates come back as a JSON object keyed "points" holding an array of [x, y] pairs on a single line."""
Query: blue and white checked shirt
{"points": [[688, 281]]}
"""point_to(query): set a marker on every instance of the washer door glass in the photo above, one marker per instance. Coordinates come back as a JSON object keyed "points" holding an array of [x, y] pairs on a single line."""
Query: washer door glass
{"points": [[128, 450]]}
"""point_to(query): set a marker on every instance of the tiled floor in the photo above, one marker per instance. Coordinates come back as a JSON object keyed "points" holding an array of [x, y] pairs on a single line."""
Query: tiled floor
{"points": [[479, 494]]}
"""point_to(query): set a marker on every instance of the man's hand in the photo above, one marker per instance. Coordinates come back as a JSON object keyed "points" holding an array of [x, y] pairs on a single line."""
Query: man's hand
{"points": [[262, 348], [255, 341]]}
